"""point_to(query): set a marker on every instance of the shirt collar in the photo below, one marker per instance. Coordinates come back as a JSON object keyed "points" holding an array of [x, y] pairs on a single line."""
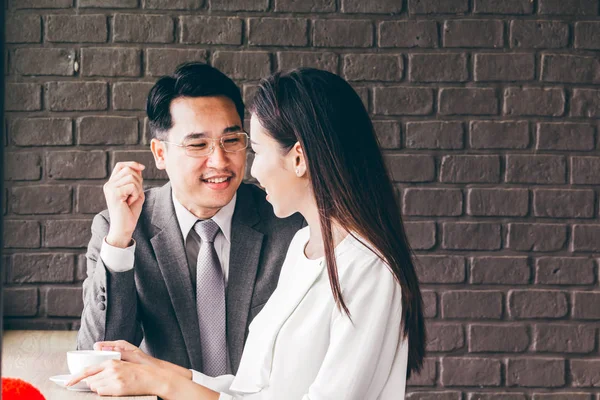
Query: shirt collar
{"points": [[222, 218]]}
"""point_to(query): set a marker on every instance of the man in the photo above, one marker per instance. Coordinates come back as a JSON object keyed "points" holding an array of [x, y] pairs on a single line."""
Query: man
{"points": [[182, 270]]}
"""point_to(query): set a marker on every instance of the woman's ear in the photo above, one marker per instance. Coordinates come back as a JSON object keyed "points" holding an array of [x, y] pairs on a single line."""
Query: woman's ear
{"points": [[158, 150], [299, 160]]}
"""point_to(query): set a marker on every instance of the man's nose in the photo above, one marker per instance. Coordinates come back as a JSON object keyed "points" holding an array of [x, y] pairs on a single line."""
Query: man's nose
{"points": [[218, 157]]}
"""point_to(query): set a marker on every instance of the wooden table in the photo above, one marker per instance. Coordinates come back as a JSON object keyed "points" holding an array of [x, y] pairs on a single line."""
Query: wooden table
{"points": [[35, 356]]}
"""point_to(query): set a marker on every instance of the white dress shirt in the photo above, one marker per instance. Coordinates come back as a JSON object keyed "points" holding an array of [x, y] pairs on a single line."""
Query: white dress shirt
{"points": [[120, 260], [301, 347]]}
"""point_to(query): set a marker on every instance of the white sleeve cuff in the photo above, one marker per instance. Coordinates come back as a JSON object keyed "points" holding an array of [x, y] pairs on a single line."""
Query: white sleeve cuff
{"points": [[117, 259], [219, 384]]}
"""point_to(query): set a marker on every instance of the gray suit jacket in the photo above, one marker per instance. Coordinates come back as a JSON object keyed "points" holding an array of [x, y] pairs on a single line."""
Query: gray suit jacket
{"points": [[153, 305]]}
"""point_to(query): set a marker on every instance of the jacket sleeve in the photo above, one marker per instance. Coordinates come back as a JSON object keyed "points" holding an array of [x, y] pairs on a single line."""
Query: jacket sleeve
{"points": [[110, 310]]}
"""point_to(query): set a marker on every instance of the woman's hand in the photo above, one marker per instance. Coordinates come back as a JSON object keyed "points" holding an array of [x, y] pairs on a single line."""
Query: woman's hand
{"points": [[128, 352], [122, 378]]}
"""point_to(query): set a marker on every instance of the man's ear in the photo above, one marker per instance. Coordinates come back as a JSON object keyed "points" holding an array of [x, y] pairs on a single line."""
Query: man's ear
{"points": [[298, 160], [159, 151]]}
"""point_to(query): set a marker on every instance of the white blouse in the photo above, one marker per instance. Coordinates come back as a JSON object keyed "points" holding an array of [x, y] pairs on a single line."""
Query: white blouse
{"points": [[301, 347]]}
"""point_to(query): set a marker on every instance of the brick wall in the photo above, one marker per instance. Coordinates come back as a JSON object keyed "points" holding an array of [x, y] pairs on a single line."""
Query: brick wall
{"points": [[487, 109]]}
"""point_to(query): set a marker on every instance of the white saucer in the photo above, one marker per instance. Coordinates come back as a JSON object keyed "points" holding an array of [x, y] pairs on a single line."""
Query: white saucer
{"points": [[62, 380]]}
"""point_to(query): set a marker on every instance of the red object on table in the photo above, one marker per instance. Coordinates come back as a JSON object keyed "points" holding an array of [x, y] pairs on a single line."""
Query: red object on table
{"points": [[18, 389]]}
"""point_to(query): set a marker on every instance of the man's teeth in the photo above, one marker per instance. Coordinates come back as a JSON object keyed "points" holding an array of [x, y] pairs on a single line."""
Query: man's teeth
{"points": [[216, 180]]}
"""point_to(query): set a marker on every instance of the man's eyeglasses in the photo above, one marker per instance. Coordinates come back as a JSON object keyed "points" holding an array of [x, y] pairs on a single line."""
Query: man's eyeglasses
{"points": [[201, 147]]}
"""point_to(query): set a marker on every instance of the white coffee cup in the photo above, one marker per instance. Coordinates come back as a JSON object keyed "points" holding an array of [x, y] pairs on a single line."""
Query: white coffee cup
{"points": [[78, 360]]}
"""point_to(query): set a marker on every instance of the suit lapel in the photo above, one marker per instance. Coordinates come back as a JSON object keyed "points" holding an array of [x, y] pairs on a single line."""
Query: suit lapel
{"points": [[167, 243], [246, 246]]}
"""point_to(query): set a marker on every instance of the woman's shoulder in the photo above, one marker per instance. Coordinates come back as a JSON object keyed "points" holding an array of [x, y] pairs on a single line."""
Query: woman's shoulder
{"points": [[361, 261]]}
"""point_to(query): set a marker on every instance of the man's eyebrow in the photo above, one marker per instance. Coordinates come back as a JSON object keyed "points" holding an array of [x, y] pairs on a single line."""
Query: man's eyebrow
{"points": [[198, 135]]}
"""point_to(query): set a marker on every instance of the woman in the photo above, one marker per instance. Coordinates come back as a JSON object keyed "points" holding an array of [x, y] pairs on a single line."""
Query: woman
{"points": [[345, 321]]}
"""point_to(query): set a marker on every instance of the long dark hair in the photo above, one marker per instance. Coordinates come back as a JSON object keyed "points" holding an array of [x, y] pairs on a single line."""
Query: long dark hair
{"points": [[349, 178]]}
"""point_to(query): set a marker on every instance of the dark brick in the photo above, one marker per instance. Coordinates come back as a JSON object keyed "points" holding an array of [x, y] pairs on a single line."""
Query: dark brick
{"points": [[470, 371], [444, 337], [503, 7], [110, 62], [421, 235], [20, 301], [388, 134], [76, 28], [42, 132], [535, 372], [64, 301], [534, 101], [445, 395], [473, 33], [494, 202], [108, 3], [563, 203], [42, 199], [81, 270], [446, 67], [107, 130], [435, 135], [562, 396], [144, 157], [239, 5], [321, 60], [130, 95], [138, 28], [23, 28], [497, 396], [67, 233], [500, 270], [555, 338], [570, 69], [373, 67], [470, 169], [32, 61], [540, 169], [427, 376], [468, 101], [90, 199], [534, 304], [38, 324], [585, 103], [174, 4], [210, 30], [429, 304], [536, 237], [585, 373], [76, 96], [22, 166], [277, 31], [584, 170], [23, 97], [440, 269], [471, 236], [432, 202], [375, 7], [411, 167], [585, 238], [403, 100], [586, 35], [408, 34], [304, 6], [472, 304], [41, 3], [504, 67], [585, 305], [21, 234], [243, 65], [499, 134], [484, 338], [76, 164], [438, 7], [161, 62], [538, 34], [565, 136], [568, 7], [43, 268], [342, 33]]}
